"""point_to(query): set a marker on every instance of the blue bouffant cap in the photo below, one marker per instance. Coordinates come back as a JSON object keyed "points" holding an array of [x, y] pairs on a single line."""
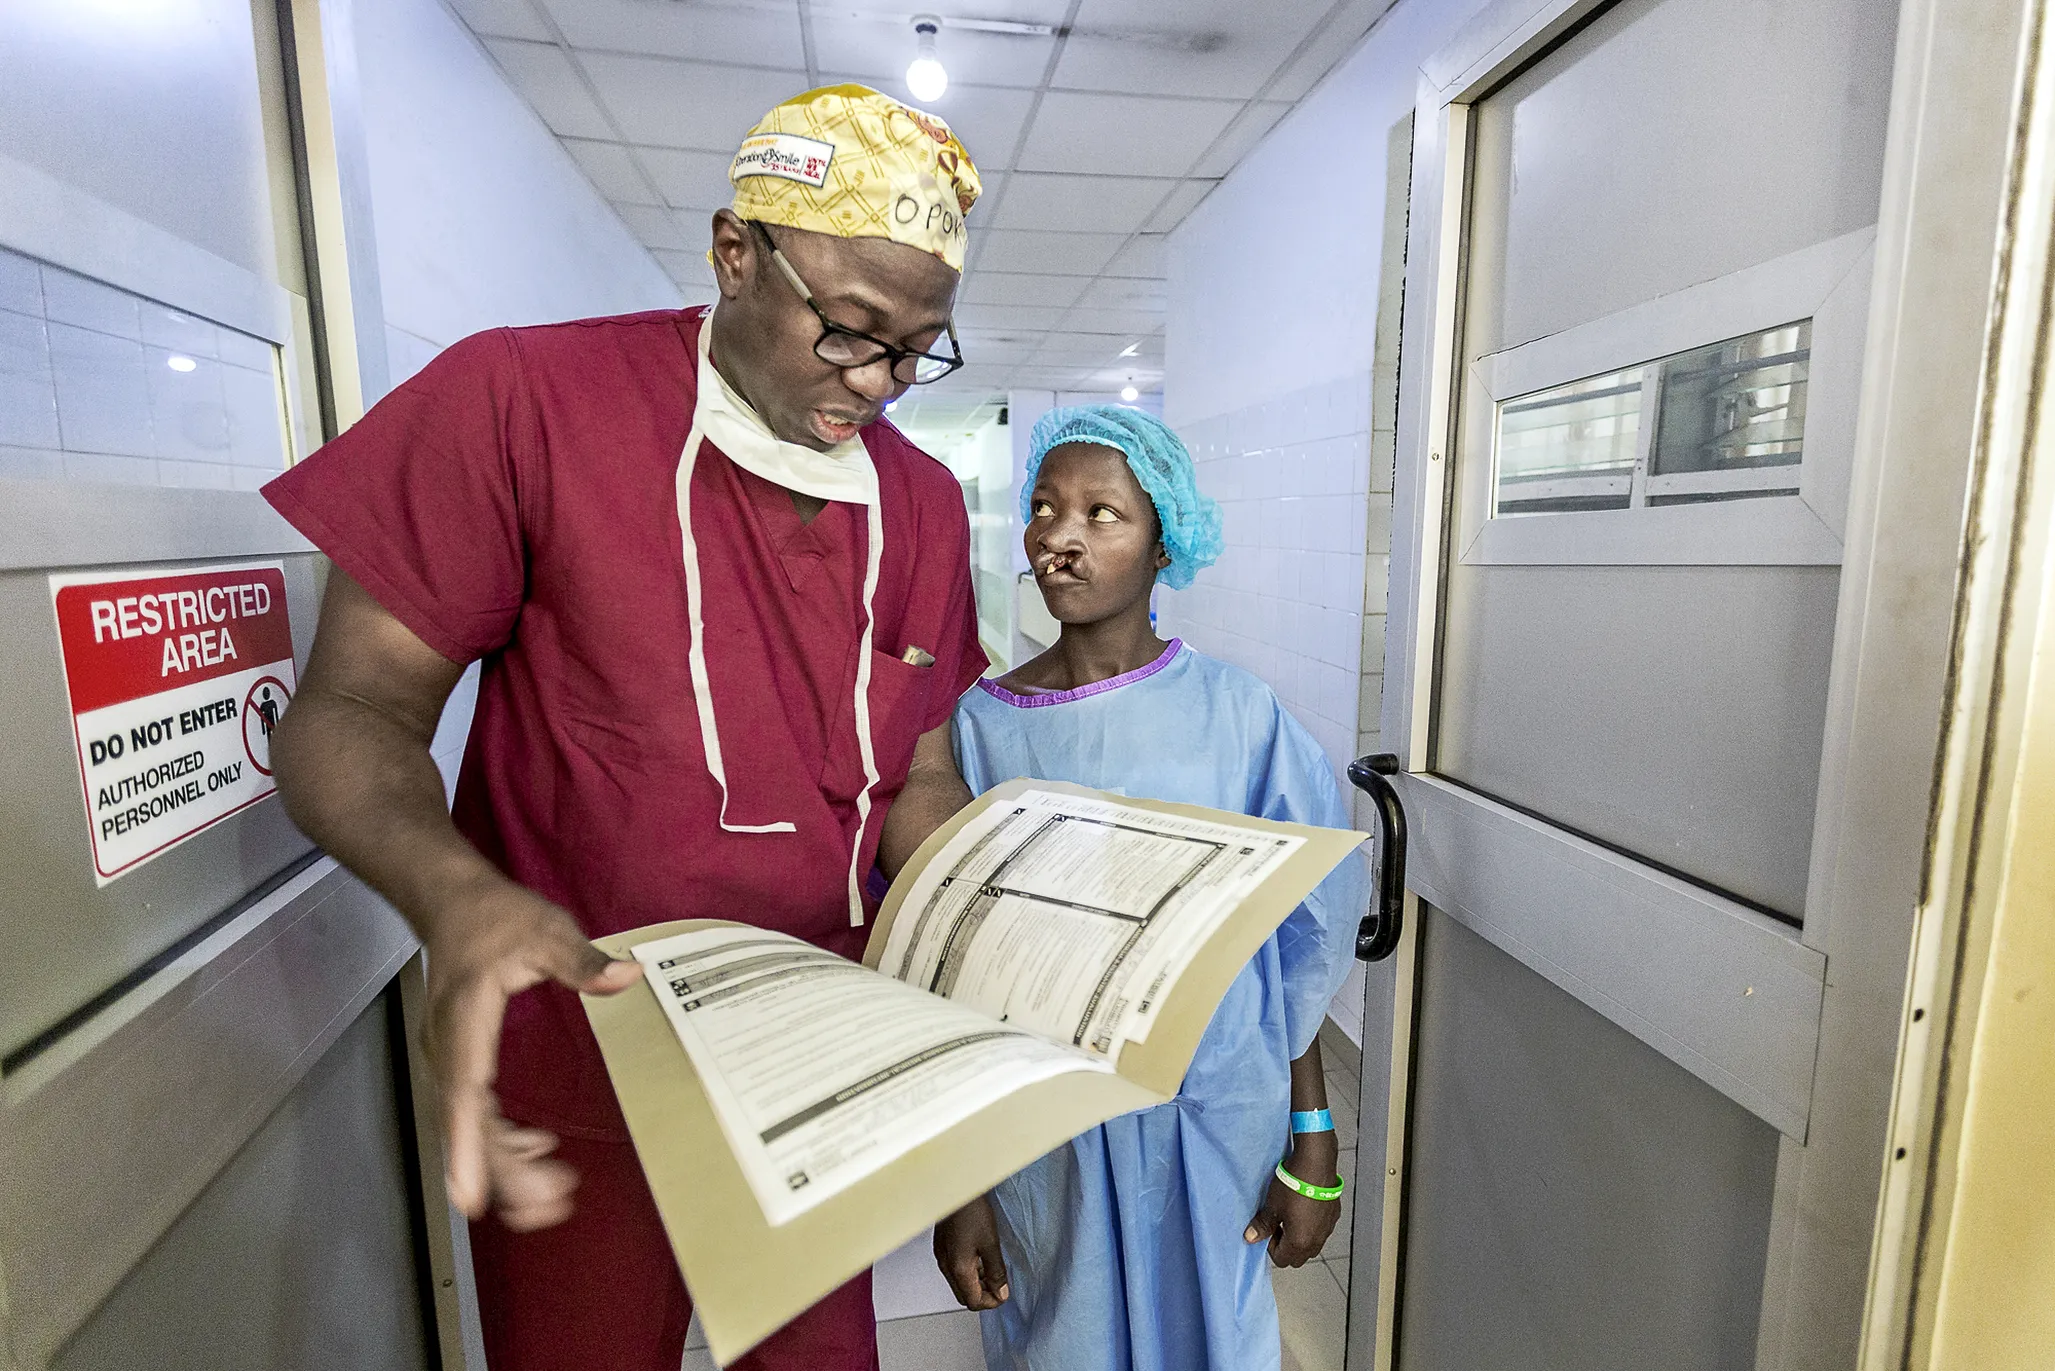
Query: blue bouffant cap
{"points": [[1190, 519]]}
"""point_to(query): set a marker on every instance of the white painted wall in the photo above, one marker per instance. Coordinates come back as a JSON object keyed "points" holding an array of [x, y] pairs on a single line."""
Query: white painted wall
{"points": [[1273, 320], [482, 218]]}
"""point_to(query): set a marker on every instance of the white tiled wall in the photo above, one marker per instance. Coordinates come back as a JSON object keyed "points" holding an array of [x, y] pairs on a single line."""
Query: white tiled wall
{"points": [[1300, 502], [97, 384], [1280, 370]]}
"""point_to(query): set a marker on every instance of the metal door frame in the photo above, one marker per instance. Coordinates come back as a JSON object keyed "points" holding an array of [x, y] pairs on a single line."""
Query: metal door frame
{"points": [[1811, 1055]]}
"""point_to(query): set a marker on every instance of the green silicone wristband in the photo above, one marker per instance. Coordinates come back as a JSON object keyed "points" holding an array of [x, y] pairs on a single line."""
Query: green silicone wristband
{"points": [[1308, 1189]]}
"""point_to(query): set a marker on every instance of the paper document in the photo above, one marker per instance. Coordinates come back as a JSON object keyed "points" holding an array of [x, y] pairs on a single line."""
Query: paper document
{"points": [[1073, 916], [1049, 959], [820, 1070]]}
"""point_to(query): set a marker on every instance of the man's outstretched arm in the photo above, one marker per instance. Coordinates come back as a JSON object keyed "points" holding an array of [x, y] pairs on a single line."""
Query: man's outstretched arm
{"points": [[356, 775]]}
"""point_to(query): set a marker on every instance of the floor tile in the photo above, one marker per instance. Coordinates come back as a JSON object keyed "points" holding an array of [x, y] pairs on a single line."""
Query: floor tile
{"points": [[1338, 1051], [1345, 1119], [1338, 1241], [932, 1342], [1312, 1315], [1343, 1085], [906, 1283]]}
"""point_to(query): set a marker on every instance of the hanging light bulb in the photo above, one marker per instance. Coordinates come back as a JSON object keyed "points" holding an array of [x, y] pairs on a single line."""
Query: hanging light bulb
{"points": [[1129, 393], [926, 78]]}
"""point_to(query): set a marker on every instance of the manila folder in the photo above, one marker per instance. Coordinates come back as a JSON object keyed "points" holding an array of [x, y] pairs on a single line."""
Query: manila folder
{"points": [[748, 1275]]}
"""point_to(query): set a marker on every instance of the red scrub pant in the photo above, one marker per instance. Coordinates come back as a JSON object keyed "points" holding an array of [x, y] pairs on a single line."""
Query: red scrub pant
{"points": [[601, 1291]]}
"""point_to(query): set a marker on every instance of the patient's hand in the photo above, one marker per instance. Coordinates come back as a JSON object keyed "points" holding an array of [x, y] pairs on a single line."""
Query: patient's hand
{"points": [[1295, 1226], [967, 1250]]}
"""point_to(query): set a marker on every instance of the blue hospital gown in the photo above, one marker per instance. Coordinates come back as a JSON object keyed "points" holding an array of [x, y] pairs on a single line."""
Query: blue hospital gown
{"points": [[1124, 1247]]}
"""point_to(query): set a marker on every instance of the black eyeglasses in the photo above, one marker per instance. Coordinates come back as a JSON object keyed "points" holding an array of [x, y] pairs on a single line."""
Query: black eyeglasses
{"points": [[848, 349]]}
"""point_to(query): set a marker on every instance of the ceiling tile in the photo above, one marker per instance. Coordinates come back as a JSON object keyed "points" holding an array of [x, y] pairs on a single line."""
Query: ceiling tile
{"points": [[1144, 255], [686, 268], [675, 104], [1006, 316], [1223, 47], [875, 50], [698, 227], [1003, 288], [1334, 43], [1107, 204], [1122, 135], [1128, 293], [691, 180], [1113, 378], [544, 77], [1070, 254], [996, 357], [656, 227], [1241, 137], [1077, 350], [502, 19], [973, 379], [999, 337], [1182, 202], [986, 119], [752, 35], [1127, 322], [1050, 378], [611, 168]]}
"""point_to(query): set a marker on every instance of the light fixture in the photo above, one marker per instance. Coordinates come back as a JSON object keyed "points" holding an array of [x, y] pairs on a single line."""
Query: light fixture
{"points": [[1131, 349], [179, 363], [925, 76], [1129, 393], [891, 405]]}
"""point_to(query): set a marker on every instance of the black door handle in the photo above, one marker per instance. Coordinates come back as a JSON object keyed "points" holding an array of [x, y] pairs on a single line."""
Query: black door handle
{"points": [[1378, 934]]}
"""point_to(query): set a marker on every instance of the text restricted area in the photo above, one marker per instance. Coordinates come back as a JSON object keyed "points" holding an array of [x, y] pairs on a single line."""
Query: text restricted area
{"points": [[177, 679]]}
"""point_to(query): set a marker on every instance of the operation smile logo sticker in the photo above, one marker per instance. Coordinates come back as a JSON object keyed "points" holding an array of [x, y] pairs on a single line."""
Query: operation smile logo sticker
{"points": [[786, 156], [177, 678]]}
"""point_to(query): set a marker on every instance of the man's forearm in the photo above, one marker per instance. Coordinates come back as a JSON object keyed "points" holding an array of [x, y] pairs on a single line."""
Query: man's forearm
{"points": [[363, 785]]}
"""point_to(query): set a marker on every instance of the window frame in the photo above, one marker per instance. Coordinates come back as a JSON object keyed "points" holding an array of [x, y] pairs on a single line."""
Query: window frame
{"points": [[1828, 283]]}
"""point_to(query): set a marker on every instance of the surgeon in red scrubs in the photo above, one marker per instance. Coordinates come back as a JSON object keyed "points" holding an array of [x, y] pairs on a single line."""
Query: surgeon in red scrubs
{"points": [[723, 614]]}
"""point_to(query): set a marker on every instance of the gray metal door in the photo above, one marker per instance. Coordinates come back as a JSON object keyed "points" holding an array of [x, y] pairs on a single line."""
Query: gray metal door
{"points": [[1640, 661]]}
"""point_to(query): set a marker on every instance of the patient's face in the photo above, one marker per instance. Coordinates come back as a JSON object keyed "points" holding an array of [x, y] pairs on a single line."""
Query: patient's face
{"points": [[1092, 537]]}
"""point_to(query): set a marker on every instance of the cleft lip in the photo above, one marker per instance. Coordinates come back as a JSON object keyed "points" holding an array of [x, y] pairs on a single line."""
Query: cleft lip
{"points": [[1053, 564]]}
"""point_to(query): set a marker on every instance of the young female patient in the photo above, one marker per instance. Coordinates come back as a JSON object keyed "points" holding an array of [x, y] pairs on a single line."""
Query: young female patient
{"points": [[1141, 1245]]}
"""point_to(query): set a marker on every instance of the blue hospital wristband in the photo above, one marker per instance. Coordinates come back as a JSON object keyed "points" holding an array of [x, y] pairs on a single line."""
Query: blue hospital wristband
{"points": [[1312, 1121]]}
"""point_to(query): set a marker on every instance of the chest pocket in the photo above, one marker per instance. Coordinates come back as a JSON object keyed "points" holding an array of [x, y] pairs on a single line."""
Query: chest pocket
{"points": [[900, 694]]}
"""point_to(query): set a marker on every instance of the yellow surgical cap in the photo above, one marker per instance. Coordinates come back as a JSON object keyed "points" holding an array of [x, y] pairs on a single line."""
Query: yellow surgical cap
{"points": [[850, 161]]}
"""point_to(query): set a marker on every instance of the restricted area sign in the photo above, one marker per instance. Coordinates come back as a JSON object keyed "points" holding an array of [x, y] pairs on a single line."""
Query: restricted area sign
{"points": [[177, 679]]}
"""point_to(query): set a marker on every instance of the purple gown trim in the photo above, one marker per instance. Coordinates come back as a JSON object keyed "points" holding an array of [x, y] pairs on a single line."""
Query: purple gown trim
{"points": [[1057, 697]]}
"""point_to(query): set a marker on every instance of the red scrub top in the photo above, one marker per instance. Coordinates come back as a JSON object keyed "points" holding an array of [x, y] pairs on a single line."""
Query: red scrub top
{"points": [[516, 502]]}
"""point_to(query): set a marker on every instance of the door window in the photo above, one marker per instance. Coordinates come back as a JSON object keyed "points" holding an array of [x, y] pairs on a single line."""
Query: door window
{"points": [[1715, 423], [101, 384]]}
